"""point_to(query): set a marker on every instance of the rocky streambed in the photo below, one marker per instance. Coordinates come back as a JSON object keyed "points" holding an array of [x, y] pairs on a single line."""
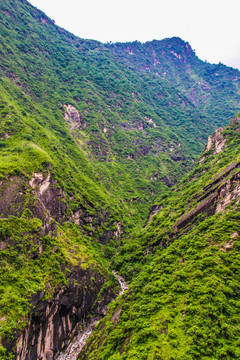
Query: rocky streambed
{"points": [[76, 345], [74, 348], [122, 282]]}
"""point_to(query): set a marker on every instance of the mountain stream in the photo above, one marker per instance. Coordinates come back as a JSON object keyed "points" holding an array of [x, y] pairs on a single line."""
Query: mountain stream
{"points": [[73, 349]]}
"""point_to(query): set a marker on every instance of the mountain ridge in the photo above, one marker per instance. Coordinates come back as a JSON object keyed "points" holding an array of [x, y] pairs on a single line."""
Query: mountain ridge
{"points": [[184, 71], [88, 143]]}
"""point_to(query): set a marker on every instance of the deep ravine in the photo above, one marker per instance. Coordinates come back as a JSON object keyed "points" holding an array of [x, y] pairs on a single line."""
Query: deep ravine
{"points": [[77, 343]]}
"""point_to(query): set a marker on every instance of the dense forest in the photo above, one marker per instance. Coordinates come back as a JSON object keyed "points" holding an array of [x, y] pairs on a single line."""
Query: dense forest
{"points": [[112, 159]]}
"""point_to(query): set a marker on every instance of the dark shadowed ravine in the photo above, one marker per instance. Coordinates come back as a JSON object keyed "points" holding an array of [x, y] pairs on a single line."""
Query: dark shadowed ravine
{"points": [[73, 349]]}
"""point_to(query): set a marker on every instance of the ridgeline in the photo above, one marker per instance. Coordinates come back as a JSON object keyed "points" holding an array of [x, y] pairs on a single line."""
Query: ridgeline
{"points": [[100, 171]]}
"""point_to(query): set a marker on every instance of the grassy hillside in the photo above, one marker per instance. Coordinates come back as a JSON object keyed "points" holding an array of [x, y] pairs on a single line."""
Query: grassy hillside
{"points": [[184, 304], [87, 145], [133, 128]]}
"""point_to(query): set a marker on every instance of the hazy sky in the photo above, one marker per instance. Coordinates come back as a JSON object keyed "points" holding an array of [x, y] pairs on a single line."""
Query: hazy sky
{"points": [[212, 27]]}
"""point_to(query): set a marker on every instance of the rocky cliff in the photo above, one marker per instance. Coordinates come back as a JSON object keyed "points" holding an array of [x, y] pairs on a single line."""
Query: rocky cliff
{"points": [[52, 322], [55, 311]]}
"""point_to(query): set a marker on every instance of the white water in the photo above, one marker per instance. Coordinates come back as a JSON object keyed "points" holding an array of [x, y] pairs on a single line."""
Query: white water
{"points": [[74, 348], [122, 282]]}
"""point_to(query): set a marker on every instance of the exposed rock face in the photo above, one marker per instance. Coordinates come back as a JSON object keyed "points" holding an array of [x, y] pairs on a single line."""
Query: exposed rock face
{"points": [[118, 232], [38, 180], [50, 203], [150, 121], [48, 200], [75, 347], [73, 118], [53, 322], [11, 196], [219, 193], [45, 201], [153, 211], [236, 121], [217, 140], [229, 193]]}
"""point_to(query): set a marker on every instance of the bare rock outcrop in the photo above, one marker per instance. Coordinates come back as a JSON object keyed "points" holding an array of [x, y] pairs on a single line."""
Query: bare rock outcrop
{"points": [[45, 200], [153, 211], [52, 322], [217, 141], [73, 118], [223, 189]]}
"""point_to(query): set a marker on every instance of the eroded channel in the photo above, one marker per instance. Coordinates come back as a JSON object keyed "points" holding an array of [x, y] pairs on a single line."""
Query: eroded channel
{"points": [[73, 349]]}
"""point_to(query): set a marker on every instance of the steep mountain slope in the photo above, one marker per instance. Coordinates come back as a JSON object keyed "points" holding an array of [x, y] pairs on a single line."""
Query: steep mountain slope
{"points": [[117, 126], [185, 302], [209, 87], [86, 146], [133, 127], [55, 219]]}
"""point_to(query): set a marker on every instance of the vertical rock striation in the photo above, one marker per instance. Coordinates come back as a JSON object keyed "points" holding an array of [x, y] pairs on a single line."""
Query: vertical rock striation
{"points": [[52, 322]]}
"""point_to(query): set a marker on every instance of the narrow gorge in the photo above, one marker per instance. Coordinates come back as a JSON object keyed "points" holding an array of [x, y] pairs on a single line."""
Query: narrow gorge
{"points": [[79, 340], [119, 156]]}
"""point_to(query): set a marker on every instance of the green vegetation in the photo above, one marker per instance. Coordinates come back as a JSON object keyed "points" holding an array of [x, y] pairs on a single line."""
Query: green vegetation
{"points": [[90, 138], [30, 261], [117, 106], [184, 303], [174, 61]]}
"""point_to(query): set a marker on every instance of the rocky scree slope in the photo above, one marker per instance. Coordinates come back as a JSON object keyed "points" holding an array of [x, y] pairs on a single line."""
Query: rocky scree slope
{"points": [[185, 301]]}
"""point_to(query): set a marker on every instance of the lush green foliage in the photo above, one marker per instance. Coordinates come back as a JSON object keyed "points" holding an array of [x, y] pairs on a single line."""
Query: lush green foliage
{"points": [[184, 304], [50, 67], [202, 83], [29, 261], [137, 133]]}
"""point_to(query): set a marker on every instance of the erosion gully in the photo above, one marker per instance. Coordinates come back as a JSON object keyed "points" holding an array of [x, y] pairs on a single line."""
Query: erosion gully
{"points": [[73, 349]]}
